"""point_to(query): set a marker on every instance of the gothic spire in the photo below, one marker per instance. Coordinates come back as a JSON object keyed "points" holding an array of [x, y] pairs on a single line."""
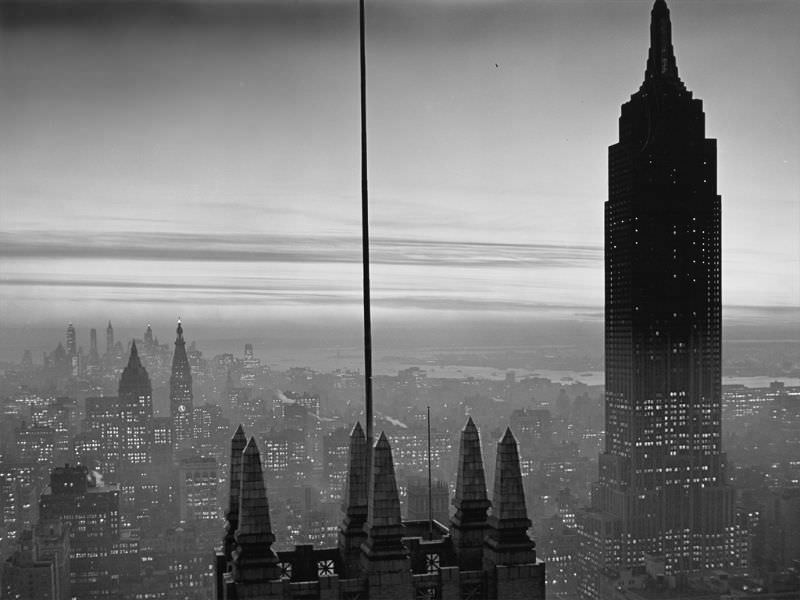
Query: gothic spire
{"points": [[508, 500], [469, 524], [470, 478], [661, 62], [384, 525], [355, 493], [238, 443], [181, 398], [354, 503], [508, 541], [254, 522], [253, 559]]}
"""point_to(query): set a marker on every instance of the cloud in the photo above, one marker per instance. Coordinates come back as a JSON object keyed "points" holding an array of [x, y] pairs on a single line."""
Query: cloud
{"points": [[285, 248]]}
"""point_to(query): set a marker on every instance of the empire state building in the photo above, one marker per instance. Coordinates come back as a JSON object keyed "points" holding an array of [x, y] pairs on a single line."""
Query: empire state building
{"points": [[662, 493]]}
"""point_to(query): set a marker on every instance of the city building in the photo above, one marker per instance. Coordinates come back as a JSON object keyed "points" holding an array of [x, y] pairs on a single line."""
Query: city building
{"points": [[335, 448], [103, 420], [136, 412], [109, 340], [198, 480], [39, 569], [662, 489], [380, 556], [91, 515], [181, 402]]}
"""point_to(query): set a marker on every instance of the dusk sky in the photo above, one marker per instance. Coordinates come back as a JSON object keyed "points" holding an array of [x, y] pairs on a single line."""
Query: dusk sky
{"points": [[203, 160]]}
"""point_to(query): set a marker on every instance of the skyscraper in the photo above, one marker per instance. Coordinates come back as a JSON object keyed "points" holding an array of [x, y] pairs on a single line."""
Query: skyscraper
{"points": [[109, 339], [94, 357], [91, 514], [136, 412], [180, 392], [662, 488], [72, 343]]}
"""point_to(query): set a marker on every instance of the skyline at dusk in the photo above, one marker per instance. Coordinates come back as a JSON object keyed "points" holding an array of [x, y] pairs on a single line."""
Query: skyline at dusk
{"points": [[202, 161]]}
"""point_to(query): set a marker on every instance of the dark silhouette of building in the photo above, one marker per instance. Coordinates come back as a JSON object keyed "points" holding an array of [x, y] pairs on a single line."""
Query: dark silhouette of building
{"points": [[181, 402], [662, 488], [91, 515], [40, 568], [380, 556], [136, 412]]}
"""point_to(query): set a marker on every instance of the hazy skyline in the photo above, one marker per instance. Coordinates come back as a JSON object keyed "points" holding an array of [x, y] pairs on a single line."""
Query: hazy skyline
{"points": [[201, 160]]}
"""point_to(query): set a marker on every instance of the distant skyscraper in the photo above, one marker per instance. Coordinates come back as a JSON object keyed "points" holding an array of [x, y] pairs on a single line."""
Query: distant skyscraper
{"points": [[72, 343], [180, 392], [136, 412], [94, 356], [109, 339], [662, 487], [148, 338]]}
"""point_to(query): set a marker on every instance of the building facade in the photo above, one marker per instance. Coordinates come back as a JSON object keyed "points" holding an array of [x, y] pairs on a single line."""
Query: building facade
{"points": [[91, 515], [136, 413], [662, 489]]}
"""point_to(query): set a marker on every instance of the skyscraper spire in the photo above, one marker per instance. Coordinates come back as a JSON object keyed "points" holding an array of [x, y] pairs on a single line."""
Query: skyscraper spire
{"points": [[254, 561], [384, 525], [384, 558], [238, 443], [134, 363], [354, 504], [509, 522], [470, 501], [661, 59], [181, 399]]}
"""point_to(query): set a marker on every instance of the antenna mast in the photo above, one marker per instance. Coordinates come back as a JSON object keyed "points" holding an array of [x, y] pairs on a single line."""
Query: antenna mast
{"points": [[365, 236]]}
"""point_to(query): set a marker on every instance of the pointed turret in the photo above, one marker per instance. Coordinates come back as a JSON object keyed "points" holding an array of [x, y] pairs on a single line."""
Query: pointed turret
{"points": [[471, 501], [181, 398], [238, 443], [383, 501], [355, 492], [470, 478], [384, 526], [384, 558], [354, 504], [508, 542], [253, 560], [661, 62]]}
